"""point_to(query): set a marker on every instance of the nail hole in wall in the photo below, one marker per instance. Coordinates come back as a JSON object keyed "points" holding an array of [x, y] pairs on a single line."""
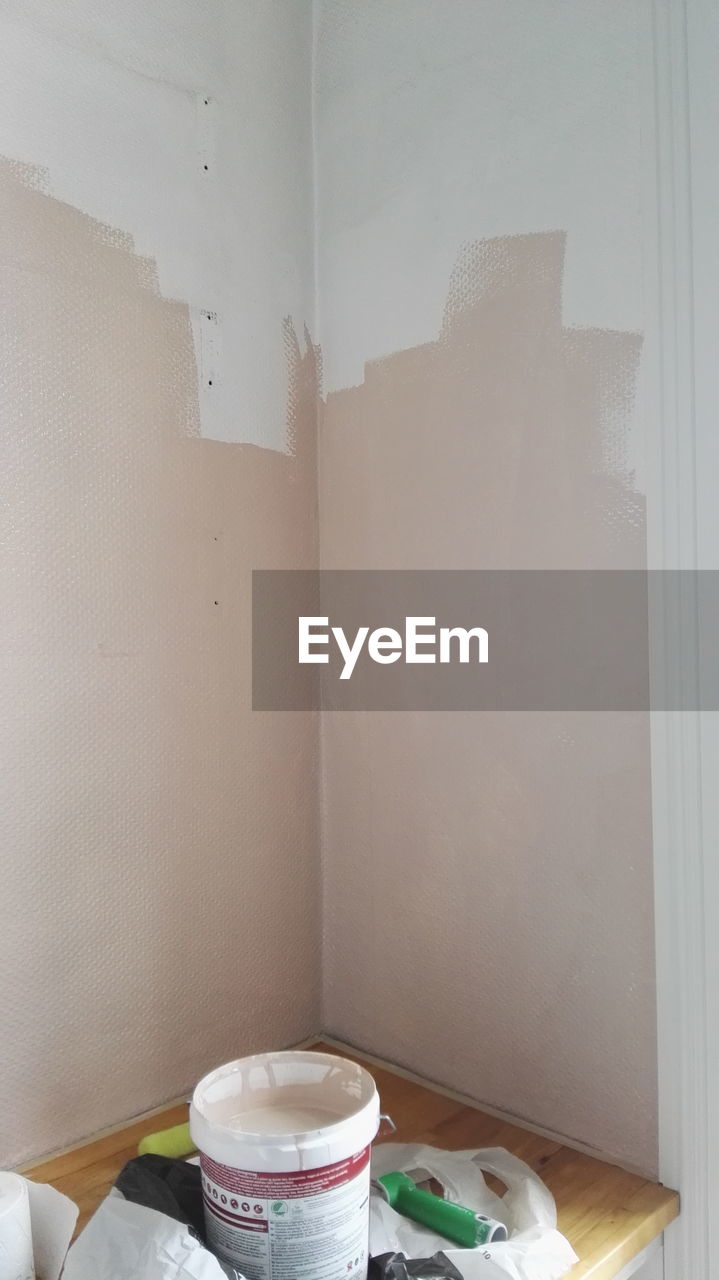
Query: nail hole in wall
{"points": [[206, 113], [210, 349]]}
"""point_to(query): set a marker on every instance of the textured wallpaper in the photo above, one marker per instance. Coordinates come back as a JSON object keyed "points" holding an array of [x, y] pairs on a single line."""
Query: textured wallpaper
{"points": [[489, 876], [160, 875]]}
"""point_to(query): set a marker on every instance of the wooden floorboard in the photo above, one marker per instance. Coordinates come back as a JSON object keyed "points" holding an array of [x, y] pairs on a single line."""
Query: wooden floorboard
{"points": [[608, 1215]]}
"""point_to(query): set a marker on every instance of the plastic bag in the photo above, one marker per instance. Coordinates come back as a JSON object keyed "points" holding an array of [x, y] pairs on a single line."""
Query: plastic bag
{"points": [[395, 1266], [150, 1227], [125, 1241], [535, 1250]]}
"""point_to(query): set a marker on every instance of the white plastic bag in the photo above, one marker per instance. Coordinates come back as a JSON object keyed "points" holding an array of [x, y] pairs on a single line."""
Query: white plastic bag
{"points": [[535, 1249], [125, 1241]]}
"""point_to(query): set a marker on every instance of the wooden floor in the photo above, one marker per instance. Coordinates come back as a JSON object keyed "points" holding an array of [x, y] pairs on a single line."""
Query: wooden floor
{"points": [[608, 1216]]}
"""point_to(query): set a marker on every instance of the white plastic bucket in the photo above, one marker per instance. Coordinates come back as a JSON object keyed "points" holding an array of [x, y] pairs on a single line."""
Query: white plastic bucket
{"points": [[284, 1142]]}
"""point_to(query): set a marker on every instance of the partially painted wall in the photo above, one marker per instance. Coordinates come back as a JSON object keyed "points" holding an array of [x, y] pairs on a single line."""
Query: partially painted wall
{"points": [[160, 847], [487, 878]]}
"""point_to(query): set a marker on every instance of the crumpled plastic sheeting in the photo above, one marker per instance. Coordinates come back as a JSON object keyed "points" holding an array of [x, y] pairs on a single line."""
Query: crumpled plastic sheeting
{"points": [[535, 1250], [125, 1241]]}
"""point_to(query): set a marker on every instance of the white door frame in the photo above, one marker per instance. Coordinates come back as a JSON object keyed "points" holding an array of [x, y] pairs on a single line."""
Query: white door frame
{"points": [[683, 526]]}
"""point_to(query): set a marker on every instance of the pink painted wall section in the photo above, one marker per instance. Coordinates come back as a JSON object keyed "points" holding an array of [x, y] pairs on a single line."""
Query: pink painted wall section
{"points": [[160, 872], [488, 878]]}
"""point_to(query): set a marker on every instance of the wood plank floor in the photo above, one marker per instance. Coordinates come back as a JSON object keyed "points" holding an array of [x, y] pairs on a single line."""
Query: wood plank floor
{"points": [[608, 1215]]}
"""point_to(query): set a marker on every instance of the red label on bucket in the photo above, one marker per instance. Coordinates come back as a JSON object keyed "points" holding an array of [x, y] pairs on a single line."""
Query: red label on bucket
{"points": [[305, 1225]]}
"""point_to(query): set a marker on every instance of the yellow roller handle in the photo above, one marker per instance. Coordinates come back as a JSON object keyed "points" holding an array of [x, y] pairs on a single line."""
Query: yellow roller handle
{"points": [[175, 1142]]}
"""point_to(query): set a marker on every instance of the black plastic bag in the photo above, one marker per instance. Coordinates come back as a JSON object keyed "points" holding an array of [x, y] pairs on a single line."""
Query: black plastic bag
{"points": [[173, 1187], [395, 1266]]}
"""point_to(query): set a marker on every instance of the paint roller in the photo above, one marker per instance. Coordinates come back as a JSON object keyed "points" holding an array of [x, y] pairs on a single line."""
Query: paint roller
{"points": [[175, 1143], [453, 1221]]}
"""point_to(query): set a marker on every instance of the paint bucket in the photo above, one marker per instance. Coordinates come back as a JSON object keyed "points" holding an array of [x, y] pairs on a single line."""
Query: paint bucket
{"points": [[284, 1142]]}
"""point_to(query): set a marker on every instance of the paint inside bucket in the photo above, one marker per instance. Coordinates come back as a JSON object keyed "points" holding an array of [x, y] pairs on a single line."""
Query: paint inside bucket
{"points": [[284, 1142]]}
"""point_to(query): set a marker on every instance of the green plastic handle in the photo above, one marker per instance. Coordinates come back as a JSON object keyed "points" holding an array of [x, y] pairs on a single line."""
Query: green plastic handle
{"points": [[450, 1220]]}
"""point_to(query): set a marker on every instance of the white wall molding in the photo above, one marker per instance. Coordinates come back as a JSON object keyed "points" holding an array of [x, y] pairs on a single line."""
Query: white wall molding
{"points": [[676, 740]]}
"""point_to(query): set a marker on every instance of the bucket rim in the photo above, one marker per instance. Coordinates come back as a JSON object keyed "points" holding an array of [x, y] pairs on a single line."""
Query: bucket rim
{"points": [[263, 1138]]}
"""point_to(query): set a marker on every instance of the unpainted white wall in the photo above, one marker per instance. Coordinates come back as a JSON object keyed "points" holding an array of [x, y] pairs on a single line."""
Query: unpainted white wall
{"points": [[437, 125], [109, 99]]}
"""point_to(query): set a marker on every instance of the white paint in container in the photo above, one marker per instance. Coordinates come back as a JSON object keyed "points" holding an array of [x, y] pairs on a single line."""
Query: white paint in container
{"points": [[284, 1142]]}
